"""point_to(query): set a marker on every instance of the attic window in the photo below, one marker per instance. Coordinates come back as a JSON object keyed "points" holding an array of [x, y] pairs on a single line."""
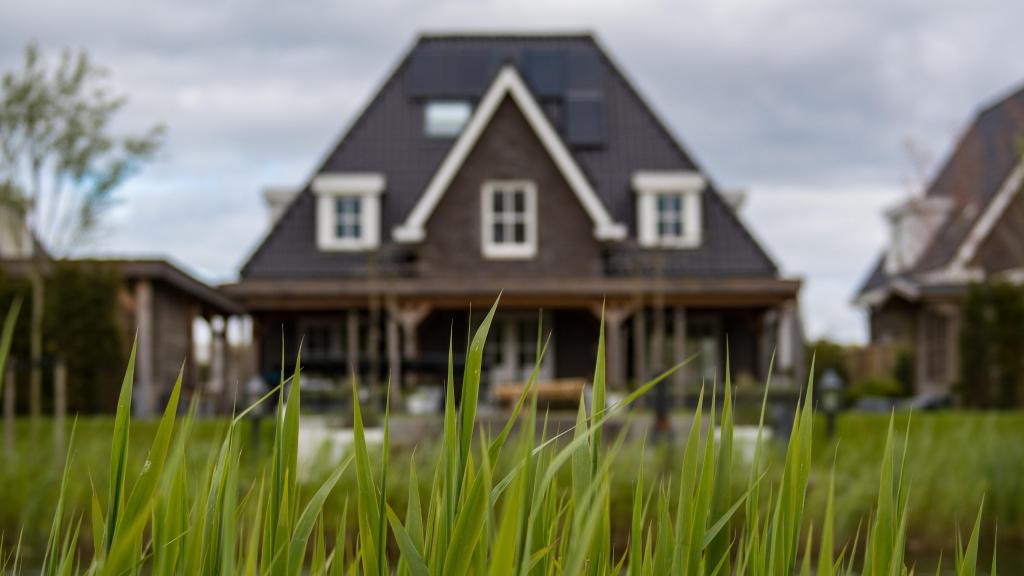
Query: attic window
{"points": [[445, 118], [348, 211], [668, 207]]}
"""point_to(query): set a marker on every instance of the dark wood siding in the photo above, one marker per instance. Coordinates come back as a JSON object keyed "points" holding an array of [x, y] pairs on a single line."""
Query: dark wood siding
{"points": [[509, 149], [172, 327]]}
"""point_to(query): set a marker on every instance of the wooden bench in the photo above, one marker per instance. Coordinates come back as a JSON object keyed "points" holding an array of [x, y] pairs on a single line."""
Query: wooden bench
{"points": [[563, 393]]}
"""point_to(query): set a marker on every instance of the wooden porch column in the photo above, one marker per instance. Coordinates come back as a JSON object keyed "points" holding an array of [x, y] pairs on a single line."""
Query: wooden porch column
{"points": [[679, 350], [615, 316], [616, 365], [952, 314], [785, 342], [144, 348], [764, 345], [352, 342], [218, 361], [409, 317], [639, 347], [393, 351], [921, 380]]}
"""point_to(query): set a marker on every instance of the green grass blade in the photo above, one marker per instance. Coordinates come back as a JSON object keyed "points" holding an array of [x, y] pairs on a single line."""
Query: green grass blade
{"points": [[119, 453]]}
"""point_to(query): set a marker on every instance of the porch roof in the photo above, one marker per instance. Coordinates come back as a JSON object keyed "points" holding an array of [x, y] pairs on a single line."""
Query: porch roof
{"points": [[319, 294]]}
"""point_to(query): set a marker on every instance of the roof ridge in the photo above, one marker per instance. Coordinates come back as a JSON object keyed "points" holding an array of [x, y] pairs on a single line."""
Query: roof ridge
{"points": [[507, 35]]}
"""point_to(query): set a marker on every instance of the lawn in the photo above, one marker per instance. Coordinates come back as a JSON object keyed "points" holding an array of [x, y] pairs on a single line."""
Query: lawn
{"points": [[953, 459]]}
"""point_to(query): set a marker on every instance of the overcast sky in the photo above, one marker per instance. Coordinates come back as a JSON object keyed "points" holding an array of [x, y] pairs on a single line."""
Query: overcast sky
{"points": [[807, 104]]}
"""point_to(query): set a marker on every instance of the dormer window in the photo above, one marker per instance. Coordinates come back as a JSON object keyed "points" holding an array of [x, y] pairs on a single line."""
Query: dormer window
{"points": [[668, 207], [445, 118], [671, 217], [348, 211], [509, 219], [348, 219]]}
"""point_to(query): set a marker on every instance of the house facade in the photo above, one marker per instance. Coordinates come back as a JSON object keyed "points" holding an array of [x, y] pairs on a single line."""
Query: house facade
{"points": [[965, 228], [525, 165]]}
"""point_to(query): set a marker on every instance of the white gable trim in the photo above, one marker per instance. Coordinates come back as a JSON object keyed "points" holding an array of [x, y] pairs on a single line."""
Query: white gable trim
{"points": [[983, 227], [508, 82]]}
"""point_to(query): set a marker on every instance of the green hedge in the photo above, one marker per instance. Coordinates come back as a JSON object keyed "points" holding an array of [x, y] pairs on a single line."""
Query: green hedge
{"points": [[81, 325]]}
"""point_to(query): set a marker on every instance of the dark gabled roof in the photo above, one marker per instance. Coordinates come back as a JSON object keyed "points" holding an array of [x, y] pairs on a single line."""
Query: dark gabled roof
{"points": [[977, 169], [979, 165], [130, 269], [877, 278], [388, 138]]}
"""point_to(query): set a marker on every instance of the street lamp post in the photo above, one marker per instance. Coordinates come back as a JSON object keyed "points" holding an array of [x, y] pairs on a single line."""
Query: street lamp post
{"points": [[832, 398]]}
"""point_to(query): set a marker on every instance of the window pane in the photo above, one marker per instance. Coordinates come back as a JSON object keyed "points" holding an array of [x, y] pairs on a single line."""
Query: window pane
{"points": [[499, 201], [677, 229], [520, 201], [520, 233], [356, 205], [499, 233], [675, 203], [445, 117]]}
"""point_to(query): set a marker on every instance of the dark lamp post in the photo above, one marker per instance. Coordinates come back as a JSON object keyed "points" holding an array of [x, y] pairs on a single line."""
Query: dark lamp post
{"points": [[831, 398]]}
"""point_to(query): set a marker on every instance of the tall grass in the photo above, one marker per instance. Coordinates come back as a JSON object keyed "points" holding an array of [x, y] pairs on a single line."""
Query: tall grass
{"points": [[546, 513]]}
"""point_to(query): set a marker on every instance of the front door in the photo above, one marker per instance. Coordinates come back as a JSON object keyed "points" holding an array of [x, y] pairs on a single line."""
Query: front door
{"points": [[511, 351]]}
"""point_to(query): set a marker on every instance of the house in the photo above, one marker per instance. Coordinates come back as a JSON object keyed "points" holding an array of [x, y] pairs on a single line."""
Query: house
{"points": [[157, 306], [525, 165], [966, 228]]}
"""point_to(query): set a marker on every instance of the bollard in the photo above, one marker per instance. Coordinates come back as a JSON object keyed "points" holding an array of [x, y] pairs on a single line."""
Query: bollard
{"points": [[60, 408], [9, 397]]}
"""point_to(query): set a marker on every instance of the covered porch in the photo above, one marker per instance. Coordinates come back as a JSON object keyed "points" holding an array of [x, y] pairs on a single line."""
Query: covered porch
{"points": [[403, 328]]}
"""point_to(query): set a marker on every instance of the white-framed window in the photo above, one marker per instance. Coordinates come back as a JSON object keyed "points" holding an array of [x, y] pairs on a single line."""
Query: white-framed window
{"points": [[671, 217], [445, 118], [669, 212], [348, 217], [509, 219], [348, 211]]}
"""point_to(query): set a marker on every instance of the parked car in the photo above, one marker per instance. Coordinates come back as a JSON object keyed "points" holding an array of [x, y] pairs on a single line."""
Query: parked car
{"points": [[928, 402], [875, 404]]}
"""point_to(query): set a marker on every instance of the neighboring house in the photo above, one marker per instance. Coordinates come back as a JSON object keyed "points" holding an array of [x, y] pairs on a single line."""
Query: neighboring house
{"points": [[525, 165], [158, 305], [966, 228]]}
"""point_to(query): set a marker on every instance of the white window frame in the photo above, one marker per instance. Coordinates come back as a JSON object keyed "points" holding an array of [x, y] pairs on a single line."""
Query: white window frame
{"points": [[506, 250], [689, 186], [328, 189]]}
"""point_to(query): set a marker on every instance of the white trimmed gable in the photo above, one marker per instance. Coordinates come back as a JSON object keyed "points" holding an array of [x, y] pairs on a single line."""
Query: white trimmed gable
{"points": [[508, 82]]}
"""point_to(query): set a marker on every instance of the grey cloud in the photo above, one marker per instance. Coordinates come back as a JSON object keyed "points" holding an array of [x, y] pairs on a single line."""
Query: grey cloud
{"points": [[805, 102]]}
